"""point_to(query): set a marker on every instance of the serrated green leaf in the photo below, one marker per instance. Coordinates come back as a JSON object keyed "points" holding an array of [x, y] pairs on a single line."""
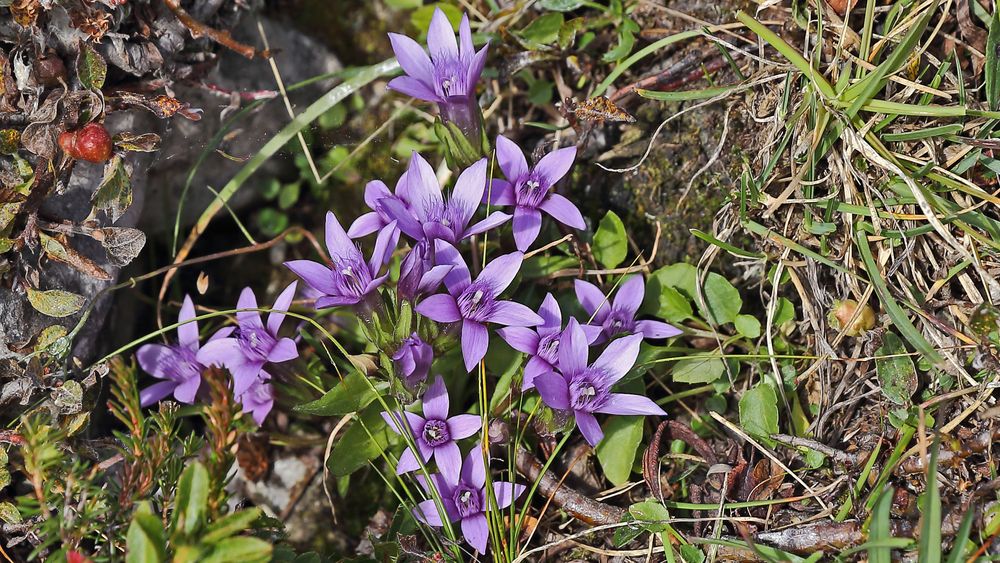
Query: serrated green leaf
{"points": [[610, 241], [699, 370], [350, 395], [91, 68], [616, 452], [759, 412], [55, 302], [114, 195]]}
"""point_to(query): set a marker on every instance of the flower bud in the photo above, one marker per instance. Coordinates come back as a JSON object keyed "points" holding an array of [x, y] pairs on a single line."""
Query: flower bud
{"points": [[844, 311], [412, 360]]}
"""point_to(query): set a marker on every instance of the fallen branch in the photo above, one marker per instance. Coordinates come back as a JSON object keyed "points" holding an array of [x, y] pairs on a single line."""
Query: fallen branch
{"points": [[223, 38], [579, 506]]}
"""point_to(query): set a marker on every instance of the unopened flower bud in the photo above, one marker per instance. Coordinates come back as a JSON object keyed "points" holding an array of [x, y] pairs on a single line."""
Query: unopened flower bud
{"points": [[843, 315]]}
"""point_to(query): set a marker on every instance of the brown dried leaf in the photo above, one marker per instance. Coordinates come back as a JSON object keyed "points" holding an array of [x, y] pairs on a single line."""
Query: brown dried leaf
{"points": [[25, 12], [122, 244], [599, 109], [63, 252], [253, 456]]}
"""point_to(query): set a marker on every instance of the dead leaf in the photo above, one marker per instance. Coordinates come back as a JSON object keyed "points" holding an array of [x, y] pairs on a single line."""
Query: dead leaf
{"points": [[122, 244], [62, 252]]}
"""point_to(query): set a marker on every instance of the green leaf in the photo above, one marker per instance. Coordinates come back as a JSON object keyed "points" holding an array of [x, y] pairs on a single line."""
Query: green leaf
{"points": [[930, 512], [114, 195], [759, 412], [543, 30], [616, 452], [747, 325], [699, 370], [896, 375], [652, 515], [55, 302], [8, 512], [626, 40], [230, 525], [610, 241], [242, 549], [91, 68], [365, 440], [785, 312], [992, 70], [145, 542], [878, 529], [722, 300], [192, 498], [350, 395], [561, 5]]}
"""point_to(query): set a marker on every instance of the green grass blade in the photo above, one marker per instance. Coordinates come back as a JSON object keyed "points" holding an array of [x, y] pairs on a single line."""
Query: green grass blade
{"points": [[878, 529], [641, 54], [789, 52], [927, 133], [957, 554], [992, 73], [930, 529], [686, 95]]}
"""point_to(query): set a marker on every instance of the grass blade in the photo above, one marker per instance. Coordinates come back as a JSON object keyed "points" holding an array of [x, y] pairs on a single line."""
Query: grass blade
{"points": [[930, 529], [878, 530], [957, 554], [992, 69]]}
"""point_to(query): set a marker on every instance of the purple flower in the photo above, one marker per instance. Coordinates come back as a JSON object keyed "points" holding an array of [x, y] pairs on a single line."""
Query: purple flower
{"points": [[618, 317], [464, 499], [435, 434], [429, 216], [412, 360], [254, 345], [586, 389], [530, 190], [350, 280], [448, 76], [258, 399], [378, 217], [418, 275], [476, 303], [542, 343], [177, 365]]}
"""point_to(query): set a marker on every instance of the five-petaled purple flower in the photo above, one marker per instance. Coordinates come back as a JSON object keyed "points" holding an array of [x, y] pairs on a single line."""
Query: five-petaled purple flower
{"points": [[448, 76], [412, 360], [476, 303], [435, 434], [542, 342], [586, 389], [177, 365], [464, 499], [258, 399], [530, 190], [254, 344], [350, 280], [429, 216], [618, 317]]}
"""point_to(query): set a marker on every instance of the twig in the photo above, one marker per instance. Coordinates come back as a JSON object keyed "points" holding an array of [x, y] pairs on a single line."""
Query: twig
{"points": [[828, 451], [223, 38], [579, 506]]}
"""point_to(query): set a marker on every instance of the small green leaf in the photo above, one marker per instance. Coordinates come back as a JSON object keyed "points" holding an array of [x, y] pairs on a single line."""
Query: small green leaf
{"points": [[759, 412], [682, 277], [230, 525], [145, 542], [350, 395], [747, 325], [8, 512], [651, 514], [699, 370], [365, 440], [114, 195], [242, 549], [192, 498], [784, 313], [626, 40], [50, 335], [722, 300], [610, 241], [91, 68], [55, 302], [896, 374], [289, 195], [561, 5], [543, 30], [616, 452]]}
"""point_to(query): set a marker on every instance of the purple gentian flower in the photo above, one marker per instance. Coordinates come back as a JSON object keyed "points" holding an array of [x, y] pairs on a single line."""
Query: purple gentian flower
{"points": [[586, 389], [448, 76], [350, 280], [476, 303], [258, 399], [177, 365], [412, 360], [418, 275], [378, 217], [618, 317], [429, 216], [435, 433], [530, 190], [542, 342], [254, 345], [464, 499]]}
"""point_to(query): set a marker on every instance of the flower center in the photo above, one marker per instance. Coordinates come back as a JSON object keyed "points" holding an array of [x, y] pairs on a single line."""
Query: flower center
{"points": [[476, 302], [436, 433], [181, 364], [548, 348], [617, 323], [255, 342], [469, 501], [449, 74], [350, 275], [531, 191], [588, 391]]}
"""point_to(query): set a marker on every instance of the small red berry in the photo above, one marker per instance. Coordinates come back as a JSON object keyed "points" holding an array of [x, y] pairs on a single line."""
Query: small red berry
{"points": [[91, 143], [67, 142]]}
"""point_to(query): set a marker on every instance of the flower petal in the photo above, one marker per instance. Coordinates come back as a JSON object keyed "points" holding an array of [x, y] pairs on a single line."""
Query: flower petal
{"points": [[592, 332], [422, 186], [520, 338], [629, 296], [385, 245], [336, 301], [432, 279], [511, 313], [156, 392], [316, 275], [589, 427], [624, 403], [474, 468], [221, 352], [414, 88], [511, 159], [441, 37], [500, 193], [407, 462], [573, 349], [376, 189], [475, 341], [187, 391], [152, 359], [476, 531], [187, 333], [412, 57], [436, 400], [464, 425], [494, 220], [283, 351], [280, 307], [563, 210], [556, 164], [476, 69], [592, 299], [465, 46], [245, 314], [657, 329], [618, 358], [365, 225], [506, 493], [440, 307], [501, 271], [427, 512], [468, 192], [551, 314], [553, 389], [535, 367], [244, 374], [406, 221], [527, 224], [449, 461], [459, 278], [337, 241]]}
